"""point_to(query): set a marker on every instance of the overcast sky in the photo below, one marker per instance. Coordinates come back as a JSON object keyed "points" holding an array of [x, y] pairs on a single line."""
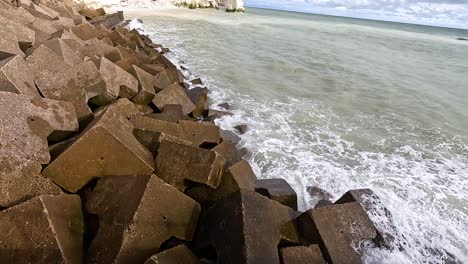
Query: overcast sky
{"points": [[452, 13]]}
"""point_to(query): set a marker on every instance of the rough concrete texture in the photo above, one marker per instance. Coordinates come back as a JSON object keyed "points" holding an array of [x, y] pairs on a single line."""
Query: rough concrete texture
{"points": [[177, 255], [246, 228], [229, 152], [24, 35], [148, 123], [74, 85], [340, 230], [9, 45], [123, 107], [199, 133], [146, 86], [44, 62], [22, 181], [59, 47], [170, 112], [26, 122], [137, 214], [17, 77], [45, 229], [106, 147], [278, 190], [176, 163], [119, 83], [302, 255], [174, 94]]}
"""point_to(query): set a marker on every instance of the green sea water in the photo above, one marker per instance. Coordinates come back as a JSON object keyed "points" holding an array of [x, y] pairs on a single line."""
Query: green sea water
{"points": [[342, 103]]}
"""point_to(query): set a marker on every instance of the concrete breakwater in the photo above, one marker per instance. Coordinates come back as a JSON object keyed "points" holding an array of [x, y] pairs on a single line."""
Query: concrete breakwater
{"points": [[109, 155]]}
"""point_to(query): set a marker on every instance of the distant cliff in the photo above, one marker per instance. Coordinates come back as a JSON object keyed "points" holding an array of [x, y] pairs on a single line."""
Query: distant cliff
{"points": [[230, 5]]}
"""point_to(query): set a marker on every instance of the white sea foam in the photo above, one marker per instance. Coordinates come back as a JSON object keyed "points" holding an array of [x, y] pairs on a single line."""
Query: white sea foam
{"points": [[419, 172]]}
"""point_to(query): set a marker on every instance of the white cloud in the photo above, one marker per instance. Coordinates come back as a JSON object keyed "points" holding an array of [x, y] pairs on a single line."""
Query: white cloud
{"points": [[443, 13]]}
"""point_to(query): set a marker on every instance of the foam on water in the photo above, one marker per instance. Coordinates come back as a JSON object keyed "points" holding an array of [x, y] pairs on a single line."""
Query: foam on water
{"points": [[419, 171]]}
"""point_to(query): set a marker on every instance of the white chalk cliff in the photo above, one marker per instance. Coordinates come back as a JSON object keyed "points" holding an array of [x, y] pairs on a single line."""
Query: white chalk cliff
{"points": [[231, 5]]}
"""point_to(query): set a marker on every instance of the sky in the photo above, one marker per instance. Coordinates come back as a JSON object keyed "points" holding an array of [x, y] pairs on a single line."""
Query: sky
{"points": [[447, 13]]}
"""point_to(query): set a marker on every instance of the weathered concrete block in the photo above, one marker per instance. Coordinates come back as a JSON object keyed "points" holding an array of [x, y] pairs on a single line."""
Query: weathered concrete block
{"points": [[148, 123], [119, 83], [17, 77], [239, 176], [154, 69], [278, 190], [46, 25], [9, 45], [229, 152], [177, 255], [136, 215], [302, 255], [18, 15], [59, 47], [123, 107], [174, 94], [177, 163], [85, 31], [107, 147], [26, 122], [24, 35], [199, 96], [146, 86], [340, 230], [20, 181], [199, 133], [74, 85], [372, 204], [45, 229], [44, 62], [252, 224], [242, 128], [170, 112], [227, 135], [94, 47]]}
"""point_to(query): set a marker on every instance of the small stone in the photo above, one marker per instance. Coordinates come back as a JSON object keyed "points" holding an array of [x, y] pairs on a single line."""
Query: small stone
{"points": [[278, 190], [176, 163], [137, 214], [119, 83], [242, 129], [28, 122], [171, 112], [340, 230], [45, 229], [302, 255], [110, 150], [197, 81], [224, 105], [17, 77], [177, 255], [199, 133], [174, 94]]}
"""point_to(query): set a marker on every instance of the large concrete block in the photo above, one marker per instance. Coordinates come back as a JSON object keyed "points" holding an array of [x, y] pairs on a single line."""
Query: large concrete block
{"points": [[177, 255], [229, 152], [340, 230], [119, 83], [148, 123], [176, 163], [24, 35], [45, 25], [199, 133], [105, 148], [95, 46], [17, 77], [45, 229], [302, 255], [74, 85], [85, 31], [278, 190], [44, 62], [20, 181], [136, 215], [59, 47], [146, 86], [9, 46], [170, 112], [246, 228], [27, 122], [122, 107], [239, 176], [174, 94]]}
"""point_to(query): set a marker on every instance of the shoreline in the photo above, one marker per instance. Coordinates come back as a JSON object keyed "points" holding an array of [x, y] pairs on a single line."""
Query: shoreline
{"points": [[120, 159]]}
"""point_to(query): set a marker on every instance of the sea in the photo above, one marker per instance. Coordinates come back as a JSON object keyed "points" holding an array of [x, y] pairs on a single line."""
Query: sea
{"points": [[341, 103]]}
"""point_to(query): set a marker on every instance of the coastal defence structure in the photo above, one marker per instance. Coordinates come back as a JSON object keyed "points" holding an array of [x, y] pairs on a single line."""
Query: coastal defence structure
{"points": [[109, 154]]}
